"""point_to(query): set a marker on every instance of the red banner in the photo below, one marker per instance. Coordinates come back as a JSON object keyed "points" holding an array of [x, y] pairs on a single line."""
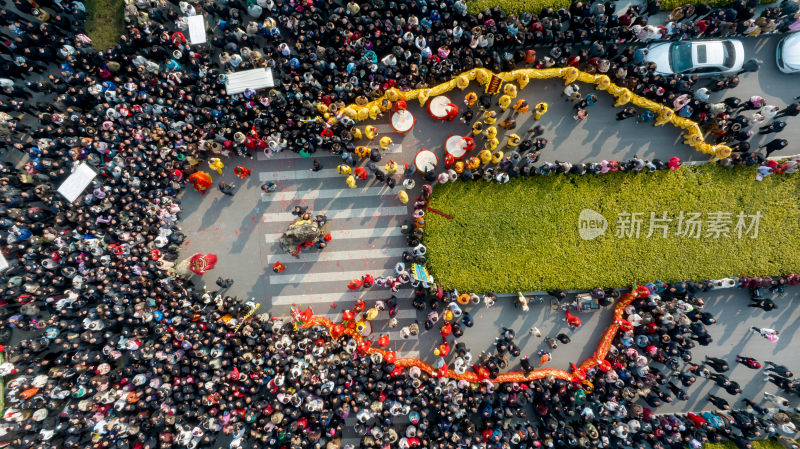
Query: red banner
{"points": [[493, 86]]}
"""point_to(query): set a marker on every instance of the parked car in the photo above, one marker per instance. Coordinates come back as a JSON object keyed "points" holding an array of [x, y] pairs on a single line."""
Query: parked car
{"points": [[788, 54], [697, 57]]}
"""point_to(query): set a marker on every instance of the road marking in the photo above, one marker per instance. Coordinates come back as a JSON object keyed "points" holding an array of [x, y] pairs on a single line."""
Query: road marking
{"points": [[330, 276], [340, 214], [298, 175], [343, 297], [297, 195], [383, 317], [350, 234], [326, 255], [384, 128]]}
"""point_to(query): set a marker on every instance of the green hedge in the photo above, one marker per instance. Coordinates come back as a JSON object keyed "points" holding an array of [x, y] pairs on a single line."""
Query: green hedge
{"points": [[669, 5], [765, 444], [516, 6], [105, 22], [535, 6], [523, 236]]}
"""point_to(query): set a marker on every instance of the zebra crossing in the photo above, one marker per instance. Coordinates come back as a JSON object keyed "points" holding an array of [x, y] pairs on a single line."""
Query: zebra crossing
{"points": [[364, 224]]}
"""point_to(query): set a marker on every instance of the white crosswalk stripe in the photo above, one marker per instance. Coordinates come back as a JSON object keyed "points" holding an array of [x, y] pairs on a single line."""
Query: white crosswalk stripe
{"points": [[368, 233], [299, 195], [297, 175], [331, 276], [339, 297], [318, 279], [326, 255], [339, 214]]}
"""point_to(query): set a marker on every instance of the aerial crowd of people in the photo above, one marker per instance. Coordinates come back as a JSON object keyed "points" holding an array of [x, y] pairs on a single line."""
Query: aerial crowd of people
{"points": [[109, 345]]}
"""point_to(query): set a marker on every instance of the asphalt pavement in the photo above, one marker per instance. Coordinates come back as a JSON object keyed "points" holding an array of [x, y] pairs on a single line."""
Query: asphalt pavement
{"points": [[364, 222]]}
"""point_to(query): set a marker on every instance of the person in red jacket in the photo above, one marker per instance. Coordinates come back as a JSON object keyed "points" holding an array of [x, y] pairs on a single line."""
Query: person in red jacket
{"points": [[360, 173], [178, 39], [748, 362], [355, 284], [367, 280], [573, 321], [697, 420], [241, 172], [452, 112]]}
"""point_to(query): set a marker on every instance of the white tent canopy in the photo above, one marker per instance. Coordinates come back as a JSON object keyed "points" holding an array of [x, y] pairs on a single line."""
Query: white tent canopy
{"points": [[75, 184], [197, 29], [249, 79]]}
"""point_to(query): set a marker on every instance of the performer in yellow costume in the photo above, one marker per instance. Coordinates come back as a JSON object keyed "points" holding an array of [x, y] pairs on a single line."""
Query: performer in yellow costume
{"points": [[504, 102], [216, 164], [539, 110]]}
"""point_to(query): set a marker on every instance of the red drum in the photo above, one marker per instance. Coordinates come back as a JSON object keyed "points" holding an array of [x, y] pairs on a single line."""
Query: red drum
{"points": [[438, 107], [425, 160], [455, 146], [402, 121]]}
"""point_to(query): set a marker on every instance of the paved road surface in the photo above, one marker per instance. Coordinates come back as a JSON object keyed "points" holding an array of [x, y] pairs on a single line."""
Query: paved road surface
{"points": [[364, 222]]}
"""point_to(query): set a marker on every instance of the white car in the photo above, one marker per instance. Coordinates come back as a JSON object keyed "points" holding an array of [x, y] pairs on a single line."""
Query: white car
{"points": [[697, 57], [788, 54]]}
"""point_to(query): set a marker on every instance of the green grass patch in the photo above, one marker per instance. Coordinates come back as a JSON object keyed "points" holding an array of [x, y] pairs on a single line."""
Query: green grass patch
{"points": [[516, 6], [523, 236], [764, 444], [104, 23], [767, 444], [669, 5], [536, 6], [724, 445]]}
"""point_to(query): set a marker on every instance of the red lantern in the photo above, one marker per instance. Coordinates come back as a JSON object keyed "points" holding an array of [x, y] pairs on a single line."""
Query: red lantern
{"points": [[337, 331], [383, 341], [390, 357], [348, 315]]}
